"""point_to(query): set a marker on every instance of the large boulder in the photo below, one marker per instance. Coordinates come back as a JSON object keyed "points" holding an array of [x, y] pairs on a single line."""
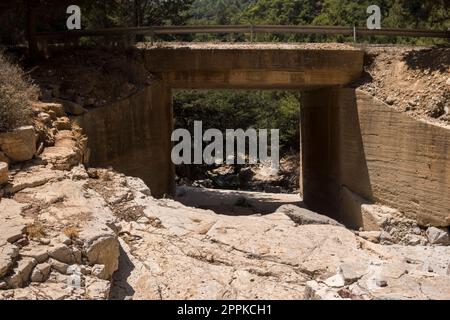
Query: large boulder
{"points": [[8, 254], [20, 144], [71, 107]]}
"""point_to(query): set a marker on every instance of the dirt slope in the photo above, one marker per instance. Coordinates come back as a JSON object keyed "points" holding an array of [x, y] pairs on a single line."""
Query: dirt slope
{"points": [[413, 80]]}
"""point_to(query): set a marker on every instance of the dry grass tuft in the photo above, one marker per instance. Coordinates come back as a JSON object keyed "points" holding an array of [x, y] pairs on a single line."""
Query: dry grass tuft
{"points": [[72, 232], [35, 230]]}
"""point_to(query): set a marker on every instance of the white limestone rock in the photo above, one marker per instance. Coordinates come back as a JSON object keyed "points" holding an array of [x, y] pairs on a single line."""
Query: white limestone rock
{"points": [[20, 144], [438, 236]]}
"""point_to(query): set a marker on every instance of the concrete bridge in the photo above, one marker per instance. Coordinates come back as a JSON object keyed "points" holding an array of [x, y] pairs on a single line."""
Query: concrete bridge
{"points": [[349, 142]]}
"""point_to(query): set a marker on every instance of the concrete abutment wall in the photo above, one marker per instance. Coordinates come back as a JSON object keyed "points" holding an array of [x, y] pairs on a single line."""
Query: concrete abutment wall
{"points": [[133, 137], [356, 147]]}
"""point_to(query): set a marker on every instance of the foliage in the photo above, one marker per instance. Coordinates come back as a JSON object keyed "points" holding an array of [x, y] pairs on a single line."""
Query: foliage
{"points": [[428, 14], [225, 109], [15, 96]]}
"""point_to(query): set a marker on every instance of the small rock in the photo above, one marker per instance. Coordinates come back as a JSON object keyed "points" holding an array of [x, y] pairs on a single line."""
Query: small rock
{"points": [[414, 240], [381, 283], [97, 289], [74, 269], [104, 250], [438, 236], [390, 100], [3, 286], [448, 82], [352, 272], [376, 216], [93, 173], [356, 290], [58, 266], [412, 103], [44, 118], [44, 241], [99, 271], [143, 220], [8, 255], [65, 240], [85, 270], [336, 281], [61, 253], [62, 124], [138, 185], [372, 236], [41, 272], [4, 176], [79, 173], [386, 238], [22, 242]]}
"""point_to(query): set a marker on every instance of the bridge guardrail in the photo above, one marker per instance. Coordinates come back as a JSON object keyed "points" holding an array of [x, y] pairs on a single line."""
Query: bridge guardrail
{"points": [[250, 29]]}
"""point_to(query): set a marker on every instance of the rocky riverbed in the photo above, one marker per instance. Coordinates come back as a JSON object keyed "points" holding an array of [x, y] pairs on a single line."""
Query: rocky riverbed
{"points": [[97, 234]]}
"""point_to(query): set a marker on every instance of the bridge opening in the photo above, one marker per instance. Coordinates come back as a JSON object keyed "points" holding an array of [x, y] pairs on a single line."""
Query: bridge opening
{"points": [[239, 188]]}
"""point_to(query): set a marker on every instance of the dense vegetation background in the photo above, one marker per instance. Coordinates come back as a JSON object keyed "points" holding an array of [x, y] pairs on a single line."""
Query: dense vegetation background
{"points": [[232, 109], [51, 15]]}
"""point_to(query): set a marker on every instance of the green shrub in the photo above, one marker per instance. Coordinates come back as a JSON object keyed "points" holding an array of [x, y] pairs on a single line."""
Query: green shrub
{"points": [[16, 92]]}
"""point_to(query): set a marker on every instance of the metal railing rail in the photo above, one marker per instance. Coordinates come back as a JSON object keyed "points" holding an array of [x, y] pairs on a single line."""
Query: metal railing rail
{"points": [[250, 29]]}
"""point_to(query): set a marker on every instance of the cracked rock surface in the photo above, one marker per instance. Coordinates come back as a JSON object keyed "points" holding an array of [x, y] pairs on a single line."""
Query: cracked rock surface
{"points": [[75, 237]]}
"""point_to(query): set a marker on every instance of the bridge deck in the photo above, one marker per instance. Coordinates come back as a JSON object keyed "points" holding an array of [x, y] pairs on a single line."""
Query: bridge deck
{"points": [[261, 66]]}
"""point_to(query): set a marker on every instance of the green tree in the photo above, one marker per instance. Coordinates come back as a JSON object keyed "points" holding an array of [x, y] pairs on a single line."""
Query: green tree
{"points": [[232, 109]]}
